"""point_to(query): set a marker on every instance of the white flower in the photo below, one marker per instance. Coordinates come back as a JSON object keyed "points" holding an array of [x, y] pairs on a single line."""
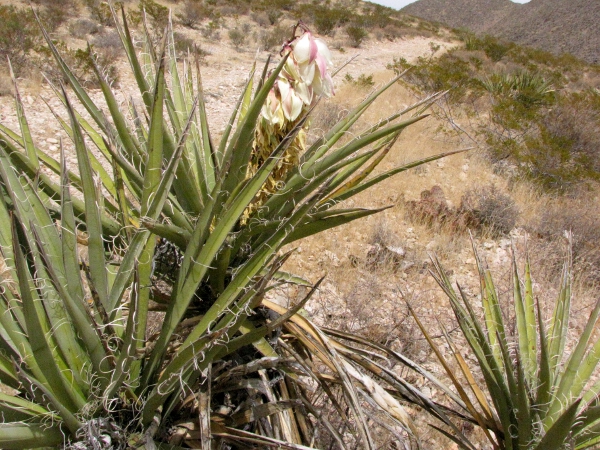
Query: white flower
{"points": [[304, 76]]}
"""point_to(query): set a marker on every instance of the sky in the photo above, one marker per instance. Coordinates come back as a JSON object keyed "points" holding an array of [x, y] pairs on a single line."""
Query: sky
{"points": [[397, 4]]}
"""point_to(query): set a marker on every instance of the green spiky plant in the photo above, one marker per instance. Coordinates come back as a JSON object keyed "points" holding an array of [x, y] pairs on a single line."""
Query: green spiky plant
{"points": [[75, 347], [540, 395]]}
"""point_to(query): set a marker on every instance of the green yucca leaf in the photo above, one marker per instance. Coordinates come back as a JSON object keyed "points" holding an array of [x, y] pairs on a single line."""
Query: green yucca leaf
{"points": [[92, 212], [320, 222], [578, 369], [557, 332], [30, 435], [130, 147], [551, 405], [152, 170], [545, 383], [78, 89], [45, 365], [322, 145], [140, 239], [130, 51], [239, 149], [25, 132], [526, 324], [233, 210], [352, 191], [205, 150], [15, 409], [560, 430]]}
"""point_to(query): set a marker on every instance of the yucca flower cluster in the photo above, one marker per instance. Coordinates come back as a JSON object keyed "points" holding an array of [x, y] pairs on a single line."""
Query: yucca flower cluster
{"points": [[304, 78]]}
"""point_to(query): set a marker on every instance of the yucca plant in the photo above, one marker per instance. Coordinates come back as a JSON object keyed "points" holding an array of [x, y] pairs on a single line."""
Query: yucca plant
{"points": [[542, 393], [79, 247], [530, 89]]}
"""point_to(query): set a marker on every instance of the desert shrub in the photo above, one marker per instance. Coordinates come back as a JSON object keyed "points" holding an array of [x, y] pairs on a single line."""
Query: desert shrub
{"points": [[54, 14], [574, 215], [363, 81], [192, 13], [19, 35], [274, 15], [483, 210], [80, 60], [555, 144], [376, 16], [398, 65], [82, 28], [325, 19], [211, 30], [159, 14], [356, 34], [432, 210], [183, 44], [494, 48], [237, 37], [274, 38], [260, 17], [280, 5], [449, 72], [489, 210], [568, 147], [100, 11], [325, 116], [108, 45], [431, 27]]}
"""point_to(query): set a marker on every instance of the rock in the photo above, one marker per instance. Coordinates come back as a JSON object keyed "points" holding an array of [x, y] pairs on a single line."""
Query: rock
{"points": [[335, 261], [52, 141]]}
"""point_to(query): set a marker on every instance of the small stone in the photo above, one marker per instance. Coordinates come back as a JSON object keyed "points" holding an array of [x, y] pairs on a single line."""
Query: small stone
{"points": [[29, 99], [52, 141]]}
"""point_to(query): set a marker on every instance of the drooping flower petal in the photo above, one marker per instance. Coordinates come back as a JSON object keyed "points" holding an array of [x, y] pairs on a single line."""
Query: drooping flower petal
{"points": [[323, 85], [292, 105], [324, 51], [302, 48], [306, 71], [304, 92]]}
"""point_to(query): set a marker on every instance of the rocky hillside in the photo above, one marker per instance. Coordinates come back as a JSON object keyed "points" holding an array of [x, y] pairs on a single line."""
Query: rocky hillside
{"points": [[557, 26]]}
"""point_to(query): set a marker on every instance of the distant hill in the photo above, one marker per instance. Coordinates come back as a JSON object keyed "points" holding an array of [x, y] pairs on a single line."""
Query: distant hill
{"points": [[557, 26]]}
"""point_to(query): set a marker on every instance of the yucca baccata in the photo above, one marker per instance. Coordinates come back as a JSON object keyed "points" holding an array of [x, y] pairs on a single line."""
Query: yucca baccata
{"points": [[539, 395], [74, 343]]}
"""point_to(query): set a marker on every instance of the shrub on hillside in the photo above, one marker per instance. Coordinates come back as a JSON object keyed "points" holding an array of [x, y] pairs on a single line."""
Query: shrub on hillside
{"points": [[489, 210], [100, 11], [158, 14], [576, 216], [19, 35], [363, 81], [237, 37], [192, 13], [82, 28], [494, 48], [274, 38], [356, 34]]}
